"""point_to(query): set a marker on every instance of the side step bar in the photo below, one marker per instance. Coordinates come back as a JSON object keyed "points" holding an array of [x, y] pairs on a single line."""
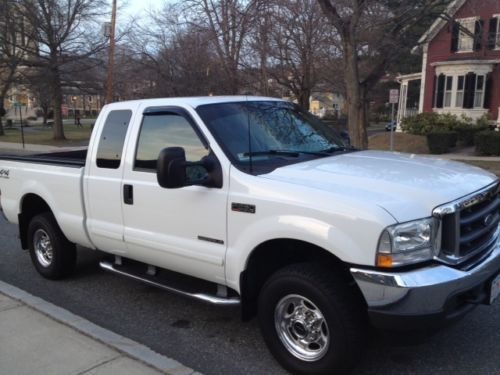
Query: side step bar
{"points": [[212, 299]]}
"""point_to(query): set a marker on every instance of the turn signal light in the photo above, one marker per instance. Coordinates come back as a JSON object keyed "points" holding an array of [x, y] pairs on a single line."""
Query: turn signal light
{"points": [[384, 260]]}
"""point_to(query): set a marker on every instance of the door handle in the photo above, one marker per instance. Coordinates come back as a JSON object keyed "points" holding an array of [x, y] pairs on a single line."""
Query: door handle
{"points": [[128, 194]]}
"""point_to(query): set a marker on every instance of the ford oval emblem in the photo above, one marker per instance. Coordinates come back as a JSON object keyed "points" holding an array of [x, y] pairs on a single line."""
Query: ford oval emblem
{"points": [[488, 220]]}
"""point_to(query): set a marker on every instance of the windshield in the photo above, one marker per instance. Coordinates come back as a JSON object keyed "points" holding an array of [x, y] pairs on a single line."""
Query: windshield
{"points": [[268, 134]]}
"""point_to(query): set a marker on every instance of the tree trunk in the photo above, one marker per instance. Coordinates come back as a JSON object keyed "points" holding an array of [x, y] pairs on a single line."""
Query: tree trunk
{"points": [[58, 128], [356, 98], [303, 99], [2, 132]]}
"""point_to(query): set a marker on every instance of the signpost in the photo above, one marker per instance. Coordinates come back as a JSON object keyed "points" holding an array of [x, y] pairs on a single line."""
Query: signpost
{"points": [[64, 109], [393, 99], [19, 106]]}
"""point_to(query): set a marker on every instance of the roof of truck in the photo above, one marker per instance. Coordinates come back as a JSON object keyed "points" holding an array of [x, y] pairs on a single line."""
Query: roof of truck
{"points": [[195, 101]]}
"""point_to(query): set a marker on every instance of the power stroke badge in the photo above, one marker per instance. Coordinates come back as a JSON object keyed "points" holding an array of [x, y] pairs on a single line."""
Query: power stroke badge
{"points": [[4, 173]]}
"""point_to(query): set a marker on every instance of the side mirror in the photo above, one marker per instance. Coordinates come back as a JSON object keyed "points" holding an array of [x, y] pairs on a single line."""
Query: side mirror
{"points": [[171, 168]]}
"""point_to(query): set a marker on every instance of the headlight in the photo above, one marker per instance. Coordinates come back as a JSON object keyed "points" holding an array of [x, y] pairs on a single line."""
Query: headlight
{"points": [[407, 243]]}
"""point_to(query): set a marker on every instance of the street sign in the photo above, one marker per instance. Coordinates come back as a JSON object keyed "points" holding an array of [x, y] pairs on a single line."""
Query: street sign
{"points": [[394, 96], [64, 109]]}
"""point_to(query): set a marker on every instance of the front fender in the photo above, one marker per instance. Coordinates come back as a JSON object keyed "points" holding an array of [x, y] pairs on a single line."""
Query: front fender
{"points": [[339, 240]]}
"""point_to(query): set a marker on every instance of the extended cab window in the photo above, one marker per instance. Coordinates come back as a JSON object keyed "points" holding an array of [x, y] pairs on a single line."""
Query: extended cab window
{"points": [[109, 151], [166, 130]]}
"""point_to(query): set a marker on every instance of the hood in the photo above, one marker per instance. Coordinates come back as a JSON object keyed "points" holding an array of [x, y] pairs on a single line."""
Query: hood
{"points": [[407, 186]]}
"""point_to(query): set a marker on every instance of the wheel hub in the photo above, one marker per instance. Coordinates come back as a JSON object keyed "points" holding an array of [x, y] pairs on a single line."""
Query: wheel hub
{"points": [[43, 247], [302, 327]]}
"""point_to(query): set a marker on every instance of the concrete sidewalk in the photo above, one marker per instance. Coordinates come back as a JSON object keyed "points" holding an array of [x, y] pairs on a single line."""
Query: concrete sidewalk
{"points": [[37, 337]]}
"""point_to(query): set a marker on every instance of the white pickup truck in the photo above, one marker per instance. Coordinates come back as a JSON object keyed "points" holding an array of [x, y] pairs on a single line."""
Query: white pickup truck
{"points": [[257, 203]]}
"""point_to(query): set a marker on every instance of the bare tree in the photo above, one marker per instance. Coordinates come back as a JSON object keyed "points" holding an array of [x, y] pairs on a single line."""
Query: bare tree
{"points": [[62, 32], [371, 32], [300, 41], [176, 56], [228, 23], [12, 40]]}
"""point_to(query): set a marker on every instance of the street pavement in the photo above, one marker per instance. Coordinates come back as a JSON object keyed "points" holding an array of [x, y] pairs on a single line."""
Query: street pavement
{"points": [[212, 340]]}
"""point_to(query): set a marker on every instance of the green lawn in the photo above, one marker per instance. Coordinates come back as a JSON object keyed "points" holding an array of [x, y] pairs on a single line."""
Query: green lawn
{"points": [[44, 135]]}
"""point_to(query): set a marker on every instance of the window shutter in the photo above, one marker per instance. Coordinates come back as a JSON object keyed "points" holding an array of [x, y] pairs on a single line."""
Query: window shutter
{"points": [[478, 34], [487, 91], [440, 90], [434, 92], [469, 90], [492, 33], [454, 36]]}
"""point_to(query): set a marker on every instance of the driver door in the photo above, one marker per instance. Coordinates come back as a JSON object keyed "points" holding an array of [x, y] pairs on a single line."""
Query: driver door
{"points": [[179, 229]]}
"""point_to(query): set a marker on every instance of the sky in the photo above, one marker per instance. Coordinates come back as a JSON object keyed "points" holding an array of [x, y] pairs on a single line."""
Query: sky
{"points": [[136, 7]]}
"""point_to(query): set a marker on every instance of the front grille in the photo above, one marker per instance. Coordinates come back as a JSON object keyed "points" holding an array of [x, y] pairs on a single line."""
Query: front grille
{"points": [[471, 226]]}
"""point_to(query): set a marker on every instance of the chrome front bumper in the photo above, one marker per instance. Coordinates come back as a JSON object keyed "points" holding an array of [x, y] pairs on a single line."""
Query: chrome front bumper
{"points": [[424, 292]]}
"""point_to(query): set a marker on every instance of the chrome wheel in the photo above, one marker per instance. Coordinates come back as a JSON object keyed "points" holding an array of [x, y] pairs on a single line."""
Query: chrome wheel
{"points": [[301, 327], [43, 247]]}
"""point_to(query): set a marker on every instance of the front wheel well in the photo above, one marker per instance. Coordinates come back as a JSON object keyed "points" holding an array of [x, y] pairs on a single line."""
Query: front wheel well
{"points": [[31, 205], [273, 255]]}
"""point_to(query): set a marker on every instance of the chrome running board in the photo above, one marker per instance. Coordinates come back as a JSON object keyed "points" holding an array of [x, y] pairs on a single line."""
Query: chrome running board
{"points": [[212, 299]]}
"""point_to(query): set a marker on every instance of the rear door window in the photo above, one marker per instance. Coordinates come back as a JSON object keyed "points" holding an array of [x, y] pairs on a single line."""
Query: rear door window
{"points": [[110, 149]]}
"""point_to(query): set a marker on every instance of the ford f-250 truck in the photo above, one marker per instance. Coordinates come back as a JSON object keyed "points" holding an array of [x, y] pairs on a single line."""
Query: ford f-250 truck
{"points": [[271, 210]]}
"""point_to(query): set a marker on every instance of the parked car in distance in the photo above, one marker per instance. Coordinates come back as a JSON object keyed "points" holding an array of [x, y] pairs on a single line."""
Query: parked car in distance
{"points": [[392, 125]]}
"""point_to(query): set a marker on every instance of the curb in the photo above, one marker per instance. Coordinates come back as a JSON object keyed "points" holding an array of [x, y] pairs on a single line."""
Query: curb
{"points": [[120, 343]]}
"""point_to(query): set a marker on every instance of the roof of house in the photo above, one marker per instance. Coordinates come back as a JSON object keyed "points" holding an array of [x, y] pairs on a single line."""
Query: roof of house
{"points": [[440, 22]]}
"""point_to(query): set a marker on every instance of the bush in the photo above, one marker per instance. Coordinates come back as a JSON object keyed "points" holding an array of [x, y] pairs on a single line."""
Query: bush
{"points": [[487, 142], [452, 138], [466, 133], [425, 123], [440, 142], [483, 121]]}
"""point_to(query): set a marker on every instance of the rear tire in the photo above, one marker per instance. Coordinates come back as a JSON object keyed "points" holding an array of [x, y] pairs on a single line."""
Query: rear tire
{"points": [[312, 321], [53, 256]]}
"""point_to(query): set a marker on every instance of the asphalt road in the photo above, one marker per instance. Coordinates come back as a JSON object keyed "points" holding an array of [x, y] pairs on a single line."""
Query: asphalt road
{"points": [[213, 340]]}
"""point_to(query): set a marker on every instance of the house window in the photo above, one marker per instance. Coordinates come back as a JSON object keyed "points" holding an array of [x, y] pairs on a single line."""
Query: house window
{"points": [[497, 38], [479, 92], [465, 40], [494, 32], [448, 91], [459, 101]]}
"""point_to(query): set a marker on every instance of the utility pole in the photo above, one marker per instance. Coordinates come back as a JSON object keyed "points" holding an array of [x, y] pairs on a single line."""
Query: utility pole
{"points": [[111, 60]]}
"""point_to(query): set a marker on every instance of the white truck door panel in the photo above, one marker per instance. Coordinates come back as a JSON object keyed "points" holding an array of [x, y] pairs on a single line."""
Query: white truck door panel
{"points": [[104, 183], [180, 229]]}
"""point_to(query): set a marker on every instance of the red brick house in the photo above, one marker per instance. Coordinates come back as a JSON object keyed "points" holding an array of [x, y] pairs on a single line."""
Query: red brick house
{"points": [[460, 62]]}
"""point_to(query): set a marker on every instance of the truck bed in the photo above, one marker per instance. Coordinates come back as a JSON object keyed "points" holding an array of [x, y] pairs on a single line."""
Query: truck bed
{"points": [[57, 179], [65, 158]]}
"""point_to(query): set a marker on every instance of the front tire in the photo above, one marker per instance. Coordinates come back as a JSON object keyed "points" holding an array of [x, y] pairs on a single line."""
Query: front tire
{"points": [[311, 320], [53, 256]]}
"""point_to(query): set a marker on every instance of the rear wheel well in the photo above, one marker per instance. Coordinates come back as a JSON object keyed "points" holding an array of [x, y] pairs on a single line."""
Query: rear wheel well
{"points": [[31, 206], [273, 255]]}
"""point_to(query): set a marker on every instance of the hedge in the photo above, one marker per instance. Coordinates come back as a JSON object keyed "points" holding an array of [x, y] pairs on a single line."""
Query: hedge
{"points": [[466, 133], [487, 142], [441, 142]]}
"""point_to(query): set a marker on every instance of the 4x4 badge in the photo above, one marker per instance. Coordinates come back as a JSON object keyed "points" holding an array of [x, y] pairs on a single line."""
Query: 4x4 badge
{"points": [[4, 173]]}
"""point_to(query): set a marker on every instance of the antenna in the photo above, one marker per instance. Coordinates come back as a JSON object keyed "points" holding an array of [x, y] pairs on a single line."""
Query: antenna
{"points": [[249, 138]]}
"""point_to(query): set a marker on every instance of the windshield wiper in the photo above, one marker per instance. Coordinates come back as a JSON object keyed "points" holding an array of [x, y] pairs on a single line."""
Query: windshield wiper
{"points": [[334, 149], [296, 153], [292, 154]]}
